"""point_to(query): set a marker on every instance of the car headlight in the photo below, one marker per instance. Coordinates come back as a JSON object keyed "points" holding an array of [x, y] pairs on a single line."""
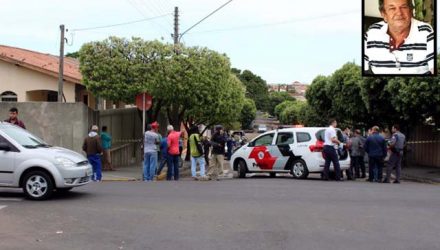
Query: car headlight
{"points": [[65, 162]]}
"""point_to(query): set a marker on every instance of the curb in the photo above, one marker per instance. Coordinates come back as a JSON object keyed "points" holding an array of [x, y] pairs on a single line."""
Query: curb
{"points": [[119, 179], [419, 179]]}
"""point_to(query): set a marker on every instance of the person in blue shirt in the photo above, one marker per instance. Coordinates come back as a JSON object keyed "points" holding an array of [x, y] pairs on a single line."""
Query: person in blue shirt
{"points": [[163, 154], [376, 147], [106, 140]]}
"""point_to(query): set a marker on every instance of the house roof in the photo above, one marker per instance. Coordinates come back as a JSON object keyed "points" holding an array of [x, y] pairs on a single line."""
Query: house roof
{"points": [[44, 63]]}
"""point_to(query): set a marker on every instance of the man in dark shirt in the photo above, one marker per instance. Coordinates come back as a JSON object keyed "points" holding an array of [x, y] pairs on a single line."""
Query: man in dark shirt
{"points": [[218, 153], [93, 148], [376, 148], [13, 113]]}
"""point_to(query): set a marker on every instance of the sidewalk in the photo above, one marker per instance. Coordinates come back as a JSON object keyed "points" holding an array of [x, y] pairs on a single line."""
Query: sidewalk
{"points": [[421, 174], [134, 173]]}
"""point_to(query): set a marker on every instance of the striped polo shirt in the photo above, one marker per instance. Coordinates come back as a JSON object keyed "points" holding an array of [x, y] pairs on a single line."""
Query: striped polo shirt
{"points": [[414, 56]]}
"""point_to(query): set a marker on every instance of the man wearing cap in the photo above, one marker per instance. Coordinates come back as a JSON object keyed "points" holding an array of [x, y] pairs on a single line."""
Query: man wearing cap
{"points": [[92, 147], [399, 44]]}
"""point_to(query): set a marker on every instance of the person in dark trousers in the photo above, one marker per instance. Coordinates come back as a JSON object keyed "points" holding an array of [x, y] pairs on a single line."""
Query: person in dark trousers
{"points": [[331, 144], [13, 118], [206, 149], [397, 143], [92, 147], [376, 148], [357, 154], [173, 153], [218, 141], [163, 154]]}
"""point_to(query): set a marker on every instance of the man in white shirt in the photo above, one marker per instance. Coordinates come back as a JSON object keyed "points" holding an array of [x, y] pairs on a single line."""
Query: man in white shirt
{"points": [[399, 44], [331, 143]]}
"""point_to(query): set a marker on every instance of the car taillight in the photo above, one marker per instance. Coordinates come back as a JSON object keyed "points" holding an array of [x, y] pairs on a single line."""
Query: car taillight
{"points": [[318, 147]]}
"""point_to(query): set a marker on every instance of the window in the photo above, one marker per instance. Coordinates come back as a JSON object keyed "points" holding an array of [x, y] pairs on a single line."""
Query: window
{"points": [[285, 138], [303, 137], [265, 140], [8, 96]]}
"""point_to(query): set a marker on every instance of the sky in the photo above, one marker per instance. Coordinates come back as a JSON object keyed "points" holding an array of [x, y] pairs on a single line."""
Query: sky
{"points": [[280, 40]]}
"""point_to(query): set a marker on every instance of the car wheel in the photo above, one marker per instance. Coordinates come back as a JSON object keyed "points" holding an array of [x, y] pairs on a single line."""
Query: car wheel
{"points": [[242, 169], [273, 175], [299, 169], [37, 185]]}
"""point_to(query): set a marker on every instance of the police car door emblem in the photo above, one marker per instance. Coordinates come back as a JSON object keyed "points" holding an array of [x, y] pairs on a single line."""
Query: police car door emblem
{"points": [[409, 57], [261, 155]]}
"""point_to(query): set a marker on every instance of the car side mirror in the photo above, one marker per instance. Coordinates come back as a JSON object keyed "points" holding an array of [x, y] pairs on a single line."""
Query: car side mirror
{"points": [[4, 146]]}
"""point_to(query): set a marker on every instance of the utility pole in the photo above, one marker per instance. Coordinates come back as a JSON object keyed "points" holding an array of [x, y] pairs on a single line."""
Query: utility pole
{"points": [[61, 64], [176, 29]]}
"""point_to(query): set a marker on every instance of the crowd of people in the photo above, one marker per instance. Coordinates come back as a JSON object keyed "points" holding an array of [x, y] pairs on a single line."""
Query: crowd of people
{"points": [[206, 154], [382, 149]]}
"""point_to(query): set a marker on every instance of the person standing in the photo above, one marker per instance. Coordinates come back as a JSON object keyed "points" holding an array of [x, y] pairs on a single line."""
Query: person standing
{"points": [[13, 118], [218, 141], [163, 154], [151, 140], [357, 154], [347, 135], [93, 148], [197, 156], [376, 148], [206, 149], [331, 144], [173, 153], [397, 143], [106, 140]]}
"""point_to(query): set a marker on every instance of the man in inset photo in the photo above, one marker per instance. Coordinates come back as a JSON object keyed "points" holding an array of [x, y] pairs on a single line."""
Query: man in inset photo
{"points": [[400, 44]]}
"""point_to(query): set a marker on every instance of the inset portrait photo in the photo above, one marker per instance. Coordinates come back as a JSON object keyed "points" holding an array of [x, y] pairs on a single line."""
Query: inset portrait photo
{"points": [[399, 37]]}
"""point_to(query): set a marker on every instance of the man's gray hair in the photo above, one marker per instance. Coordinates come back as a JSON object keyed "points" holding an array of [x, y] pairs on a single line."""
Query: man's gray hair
{"points": [[170, 128], [381, 8]]}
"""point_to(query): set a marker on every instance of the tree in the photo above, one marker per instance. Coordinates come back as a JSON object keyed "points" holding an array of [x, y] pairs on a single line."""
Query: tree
{"points": [[291, 114], [248, 113], [256, 87], [195, 86], [416, 99], [344, 89], [317, 97], [73, 54], [276, 98], [280, 107]]}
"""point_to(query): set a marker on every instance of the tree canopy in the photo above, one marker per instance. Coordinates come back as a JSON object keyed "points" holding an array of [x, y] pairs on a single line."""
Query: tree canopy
{"points": [[256, 87], [195, 86], [367, 101]]}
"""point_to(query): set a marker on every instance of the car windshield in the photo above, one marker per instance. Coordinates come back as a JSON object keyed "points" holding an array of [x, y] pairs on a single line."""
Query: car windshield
{"points": [[23, 137]]}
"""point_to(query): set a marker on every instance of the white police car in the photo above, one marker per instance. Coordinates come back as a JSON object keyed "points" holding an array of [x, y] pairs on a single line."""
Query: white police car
{"points": [[292, 150]]}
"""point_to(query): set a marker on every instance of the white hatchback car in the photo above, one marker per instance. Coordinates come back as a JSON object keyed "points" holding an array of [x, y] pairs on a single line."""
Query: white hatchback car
{"points": [[292, 150], [27, 162]]}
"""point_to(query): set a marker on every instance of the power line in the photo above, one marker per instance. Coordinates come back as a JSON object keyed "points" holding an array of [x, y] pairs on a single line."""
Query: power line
{"points": [[121, 24], [203, 19], [256, 26]]}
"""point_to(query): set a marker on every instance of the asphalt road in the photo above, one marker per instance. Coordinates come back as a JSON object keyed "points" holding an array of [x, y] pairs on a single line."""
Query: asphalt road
{"points": [[255, 213]]}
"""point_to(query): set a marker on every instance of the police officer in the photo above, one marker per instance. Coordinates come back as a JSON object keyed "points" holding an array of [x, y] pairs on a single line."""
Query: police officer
{"points": [[397, 143], [331, 143]]}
